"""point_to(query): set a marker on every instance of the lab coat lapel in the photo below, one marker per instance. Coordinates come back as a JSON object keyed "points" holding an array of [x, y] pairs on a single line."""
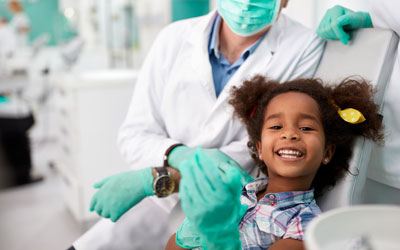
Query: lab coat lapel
{"points": [[200, 62]]}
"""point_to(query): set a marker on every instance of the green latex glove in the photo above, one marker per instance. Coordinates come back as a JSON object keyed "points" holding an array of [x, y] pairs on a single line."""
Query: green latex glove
{"points": [[179, 155], [211, 201], [187, 236], [338, 20], [118, 193], [183, 153]]}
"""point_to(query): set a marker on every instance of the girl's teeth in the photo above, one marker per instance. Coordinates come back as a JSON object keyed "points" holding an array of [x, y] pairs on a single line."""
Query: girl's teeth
{"points": [[287, 153], [289, 156]]}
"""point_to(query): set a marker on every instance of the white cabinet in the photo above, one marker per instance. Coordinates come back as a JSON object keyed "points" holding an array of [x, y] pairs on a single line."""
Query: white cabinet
{"points": [[90, 108]]}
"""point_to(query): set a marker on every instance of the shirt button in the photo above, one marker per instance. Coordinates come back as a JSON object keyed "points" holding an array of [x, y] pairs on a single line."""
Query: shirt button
{"points": [[271, 196]]}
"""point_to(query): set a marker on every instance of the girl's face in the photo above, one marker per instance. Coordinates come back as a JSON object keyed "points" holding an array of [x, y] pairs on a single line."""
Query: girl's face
{"points": [[292, 139]]}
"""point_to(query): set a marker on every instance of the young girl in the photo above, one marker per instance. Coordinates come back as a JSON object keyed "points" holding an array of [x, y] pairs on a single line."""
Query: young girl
{"points": [[301, 137]]}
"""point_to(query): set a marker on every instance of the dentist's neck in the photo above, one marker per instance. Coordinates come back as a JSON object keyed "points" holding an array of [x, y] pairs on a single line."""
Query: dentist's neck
{"points": [[232, 45]]}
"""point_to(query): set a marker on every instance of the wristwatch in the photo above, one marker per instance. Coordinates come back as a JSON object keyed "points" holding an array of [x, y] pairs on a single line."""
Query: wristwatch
{"points": [[163, 185]]}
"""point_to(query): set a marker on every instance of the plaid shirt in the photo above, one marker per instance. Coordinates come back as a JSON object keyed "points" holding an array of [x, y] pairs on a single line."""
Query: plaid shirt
{"points": [[275, 216]]}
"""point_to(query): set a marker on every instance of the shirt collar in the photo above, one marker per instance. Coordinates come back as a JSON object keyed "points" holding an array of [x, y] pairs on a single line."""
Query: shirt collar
{"points": [[213, 47], [283, 199]]}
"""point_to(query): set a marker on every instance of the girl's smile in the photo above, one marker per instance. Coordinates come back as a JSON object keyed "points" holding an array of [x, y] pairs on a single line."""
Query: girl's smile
{"points": [[290, 154]]}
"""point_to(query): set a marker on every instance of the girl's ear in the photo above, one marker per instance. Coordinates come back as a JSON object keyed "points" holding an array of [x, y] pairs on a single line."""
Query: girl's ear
{"points": [[258, 146], [329, 151]]}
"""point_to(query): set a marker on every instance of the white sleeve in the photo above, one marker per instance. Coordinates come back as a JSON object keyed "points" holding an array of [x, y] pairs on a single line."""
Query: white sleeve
{"points": [[142, 137], [385, 14], [310, 59]]}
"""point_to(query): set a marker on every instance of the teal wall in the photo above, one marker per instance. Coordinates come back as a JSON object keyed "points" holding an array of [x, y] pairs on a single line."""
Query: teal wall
{"points": [[44, 18], [182, 9]]}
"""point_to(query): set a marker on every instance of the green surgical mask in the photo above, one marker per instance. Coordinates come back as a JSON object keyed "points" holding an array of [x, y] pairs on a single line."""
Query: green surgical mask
{"points": [[247, 17]]}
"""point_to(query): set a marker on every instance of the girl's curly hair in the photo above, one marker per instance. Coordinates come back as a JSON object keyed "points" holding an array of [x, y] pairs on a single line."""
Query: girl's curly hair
{"points": [[251, 99]]}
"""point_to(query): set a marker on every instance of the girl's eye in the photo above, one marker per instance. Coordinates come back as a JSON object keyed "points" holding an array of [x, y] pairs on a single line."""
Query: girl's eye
{"points": [[276, 127], [306, 129]]}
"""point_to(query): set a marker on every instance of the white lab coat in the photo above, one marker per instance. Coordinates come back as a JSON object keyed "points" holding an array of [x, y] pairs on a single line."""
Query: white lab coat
{"points": [[175, 102], [19, 21], [7, 40], [385, 161], [7, 47]]}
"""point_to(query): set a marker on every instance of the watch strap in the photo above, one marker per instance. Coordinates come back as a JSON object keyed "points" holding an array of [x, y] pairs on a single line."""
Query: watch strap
{"points": [[168, 152], [162, 171]]}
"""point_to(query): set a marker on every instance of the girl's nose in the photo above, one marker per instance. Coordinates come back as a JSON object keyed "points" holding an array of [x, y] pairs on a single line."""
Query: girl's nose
{"points": [[289, 134]]}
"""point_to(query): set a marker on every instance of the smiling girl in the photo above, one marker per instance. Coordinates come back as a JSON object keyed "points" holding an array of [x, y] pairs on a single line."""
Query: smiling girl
{"points": [[301, 136]]}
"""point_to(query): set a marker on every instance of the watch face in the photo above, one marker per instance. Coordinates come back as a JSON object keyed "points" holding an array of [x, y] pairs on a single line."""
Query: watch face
{"points": [[164, 186]]}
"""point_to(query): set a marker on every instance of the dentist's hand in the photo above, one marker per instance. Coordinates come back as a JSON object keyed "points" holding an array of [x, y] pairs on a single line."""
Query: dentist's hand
{"points": [[211, 201], [188, 236], [118, 193], [338, 20], [183, 153]]}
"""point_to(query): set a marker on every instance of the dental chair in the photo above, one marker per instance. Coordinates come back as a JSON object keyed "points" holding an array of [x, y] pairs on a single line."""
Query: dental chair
{"points": [[371, 55]]}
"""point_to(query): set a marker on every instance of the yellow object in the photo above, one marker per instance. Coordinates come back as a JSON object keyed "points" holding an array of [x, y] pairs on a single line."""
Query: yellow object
{"points": [[351, 115]]}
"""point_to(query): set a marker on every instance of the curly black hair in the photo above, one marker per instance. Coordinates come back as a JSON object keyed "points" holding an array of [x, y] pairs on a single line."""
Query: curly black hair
{"points": [[251, 99]]}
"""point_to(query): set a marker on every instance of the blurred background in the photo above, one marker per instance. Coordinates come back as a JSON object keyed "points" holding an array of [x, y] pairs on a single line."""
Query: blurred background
{"points": [[67, 72]]}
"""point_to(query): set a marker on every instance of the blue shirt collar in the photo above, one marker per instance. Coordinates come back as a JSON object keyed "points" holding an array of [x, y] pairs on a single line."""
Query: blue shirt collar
{"points": [[214, 38]]}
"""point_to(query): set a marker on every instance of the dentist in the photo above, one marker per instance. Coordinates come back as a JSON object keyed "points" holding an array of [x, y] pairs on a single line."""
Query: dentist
{"points": [[181, 102]]}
